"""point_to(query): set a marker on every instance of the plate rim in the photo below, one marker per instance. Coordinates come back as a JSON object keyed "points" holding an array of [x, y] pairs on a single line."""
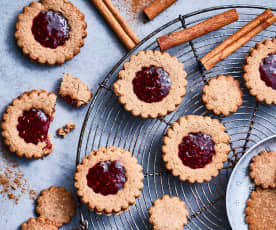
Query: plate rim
{"points": [[235, 169]]}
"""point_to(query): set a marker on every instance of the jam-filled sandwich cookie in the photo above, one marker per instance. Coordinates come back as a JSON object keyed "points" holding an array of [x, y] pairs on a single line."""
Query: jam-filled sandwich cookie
{"points": [[259, 71], [152, 84], [50, 31], [74, 91], [261, 209], [195, 148], [222, 95], [57, 205], [39, 224], [263, 169], [26, 123], [168, 213], [109, 180]]}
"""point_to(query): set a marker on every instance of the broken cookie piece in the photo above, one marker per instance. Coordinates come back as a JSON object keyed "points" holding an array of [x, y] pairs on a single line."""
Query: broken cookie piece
{"points": [[62, 132], [74, 91]]}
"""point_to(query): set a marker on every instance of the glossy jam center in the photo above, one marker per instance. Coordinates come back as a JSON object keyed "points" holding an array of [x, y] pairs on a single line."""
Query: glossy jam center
{"points": [[70, 100], [151, 84], [50, 29], [196, 150], [106, 177], [268, 70], [33, 126]]}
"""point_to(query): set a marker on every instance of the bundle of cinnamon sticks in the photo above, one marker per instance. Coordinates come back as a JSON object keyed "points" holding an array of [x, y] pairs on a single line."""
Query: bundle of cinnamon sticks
{"points": [[227, 47], [238, 39], [117, 22]]}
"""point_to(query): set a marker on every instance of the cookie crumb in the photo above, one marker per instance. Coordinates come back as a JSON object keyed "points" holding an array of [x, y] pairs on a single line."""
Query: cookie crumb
{"points": [[74, 91], [62, 132]]}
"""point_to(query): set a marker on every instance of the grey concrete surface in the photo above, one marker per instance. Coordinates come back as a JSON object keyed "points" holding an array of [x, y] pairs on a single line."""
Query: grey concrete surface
{"points": [[18, 74]]}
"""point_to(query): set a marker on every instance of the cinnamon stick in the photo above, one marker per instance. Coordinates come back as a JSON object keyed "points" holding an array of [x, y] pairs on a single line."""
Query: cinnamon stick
{"points": [[168, 41], [238, 39], [117, 22], [157, 7]]}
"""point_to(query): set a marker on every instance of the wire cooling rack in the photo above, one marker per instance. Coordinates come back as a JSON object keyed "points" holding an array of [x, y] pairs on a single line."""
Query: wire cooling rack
{"points": [[107, 123]]}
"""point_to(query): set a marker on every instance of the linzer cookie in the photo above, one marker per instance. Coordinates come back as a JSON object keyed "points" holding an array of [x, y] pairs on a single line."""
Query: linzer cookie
{"points": [[74, 91], [109, 180], [56, 204], [26, 123], [168, 213], [195, 148], [50, 31], [39, 224], [263, 169], [261, 209], [259, 71], [222, 95], [152, 84]]}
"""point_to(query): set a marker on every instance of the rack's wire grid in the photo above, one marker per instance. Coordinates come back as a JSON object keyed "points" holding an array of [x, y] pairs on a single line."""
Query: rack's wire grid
{"points": [[107, 123]]}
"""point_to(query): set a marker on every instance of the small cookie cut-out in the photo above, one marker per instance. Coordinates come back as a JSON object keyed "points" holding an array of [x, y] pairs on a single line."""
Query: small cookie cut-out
{"points": [[222, 95], [263, 169], [168, 213]]}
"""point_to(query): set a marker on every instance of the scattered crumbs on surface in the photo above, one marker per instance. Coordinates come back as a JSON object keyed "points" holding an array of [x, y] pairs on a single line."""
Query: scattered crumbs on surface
{"points": [[131, 7], [12, 180]]}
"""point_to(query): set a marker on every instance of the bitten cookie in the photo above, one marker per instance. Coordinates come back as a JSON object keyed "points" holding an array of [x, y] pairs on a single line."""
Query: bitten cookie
{"points": [[109, 180], [222, 95], [26, 123], [39, 223], [50, 31], [261, 210], [259, 71], [56, 204], [263, 169], [168, 213], [74, 91], [151, 84], [195, 148]]}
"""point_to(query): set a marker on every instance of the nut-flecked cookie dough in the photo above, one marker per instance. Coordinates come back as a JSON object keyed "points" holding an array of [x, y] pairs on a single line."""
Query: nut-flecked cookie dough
{"points": [[39, 223], [263, 169], [109, 180], [56, 204], [261, 209], [73, 90], [195, 148], [259, 70], [151, 84], [50, 31], [168, 213], [26, 123], [222, 95]]}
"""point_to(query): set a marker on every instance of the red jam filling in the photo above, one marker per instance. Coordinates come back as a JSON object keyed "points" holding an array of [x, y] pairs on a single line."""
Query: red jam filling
{"points": [[196, 150], [50, 29], [106, 177], [151, 84], [71, 101], [33, 127], [268, 70]]}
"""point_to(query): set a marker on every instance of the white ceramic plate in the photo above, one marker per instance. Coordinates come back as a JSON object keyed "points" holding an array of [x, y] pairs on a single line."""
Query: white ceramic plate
{"points": [[240, 185]]}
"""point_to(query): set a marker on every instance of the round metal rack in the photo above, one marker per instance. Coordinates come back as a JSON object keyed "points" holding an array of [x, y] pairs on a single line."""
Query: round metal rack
{"points": [[107, 123]]}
